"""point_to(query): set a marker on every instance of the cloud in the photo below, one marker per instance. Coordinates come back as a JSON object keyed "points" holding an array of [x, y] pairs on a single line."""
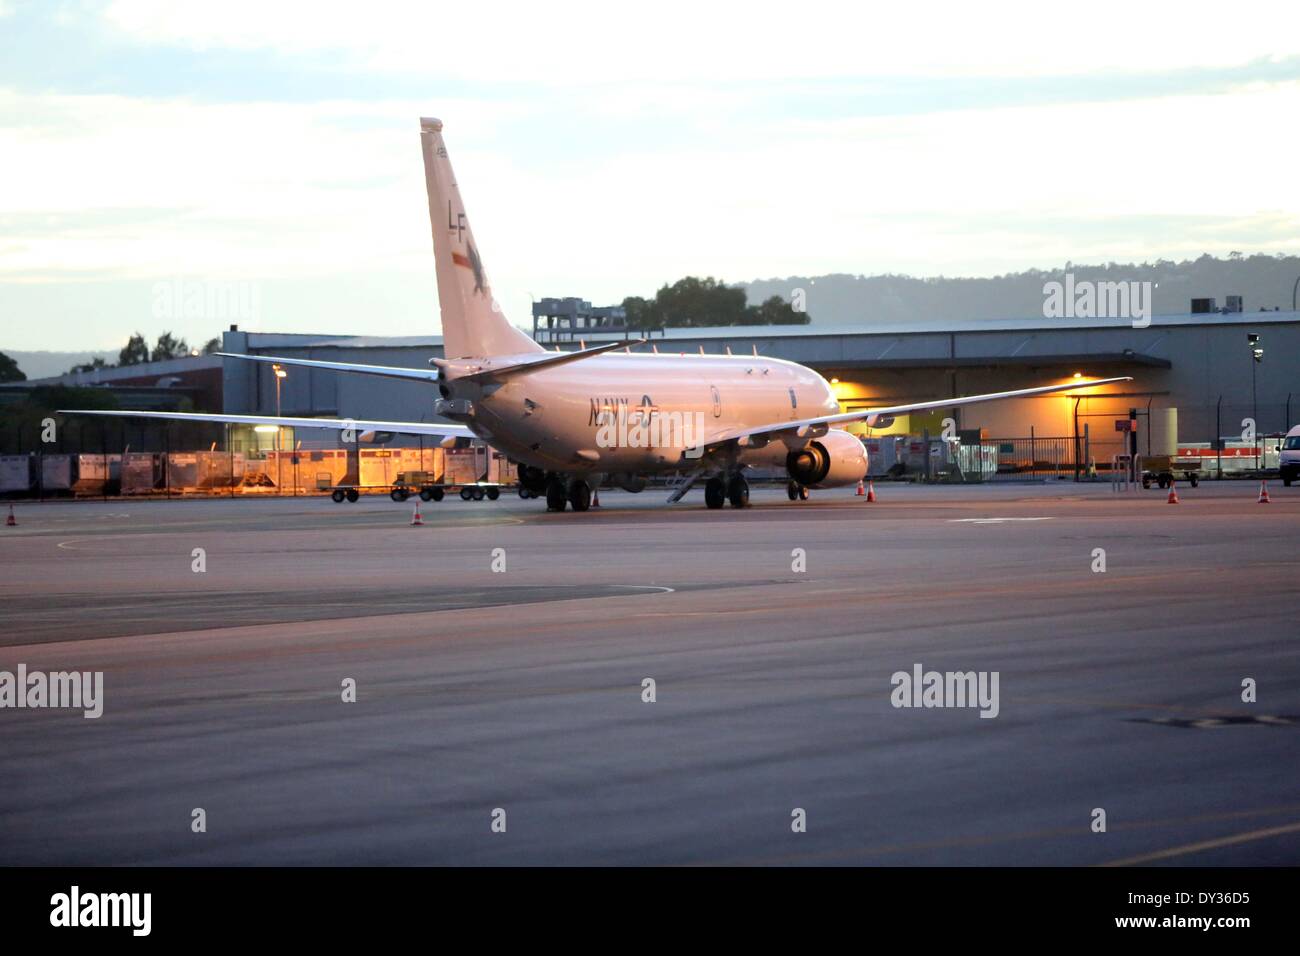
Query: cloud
{"points": [[171, 186], [586, 42], [602, 157]]}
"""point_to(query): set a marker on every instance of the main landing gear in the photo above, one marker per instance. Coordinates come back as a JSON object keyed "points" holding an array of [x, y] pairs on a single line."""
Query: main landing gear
{"points": [[559, 495], [796, 492], [718, 492]]}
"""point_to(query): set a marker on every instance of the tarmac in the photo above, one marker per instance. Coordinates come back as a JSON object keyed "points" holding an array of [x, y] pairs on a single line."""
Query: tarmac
{"points": [[500, 655]]}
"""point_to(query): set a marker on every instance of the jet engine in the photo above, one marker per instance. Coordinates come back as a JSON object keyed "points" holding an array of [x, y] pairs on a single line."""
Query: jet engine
{"points": [[835, 459]]}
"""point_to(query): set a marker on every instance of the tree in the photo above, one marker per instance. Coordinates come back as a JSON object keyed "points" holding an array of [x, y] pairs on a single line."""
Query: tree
{"points": [[211, 345], [693, 303], [639, 312], [135, 352], [9, 370], [90, 366], [776, 311], [169, 347]]}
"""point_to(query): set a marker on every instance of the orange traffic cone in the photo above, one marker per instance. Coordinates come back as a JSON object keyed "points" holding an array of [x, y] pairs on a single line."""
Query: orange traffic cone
{"points": [[871, 492], [416, 520], [595, 497], [1263, 493], [861, 490], [1173, 494], [11, 521]]}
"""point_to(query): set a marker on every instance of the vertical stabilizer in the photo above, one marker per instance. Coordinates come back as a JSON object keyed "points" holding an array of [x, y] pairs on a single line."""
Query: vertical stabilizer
{"points": [[473, 325]]}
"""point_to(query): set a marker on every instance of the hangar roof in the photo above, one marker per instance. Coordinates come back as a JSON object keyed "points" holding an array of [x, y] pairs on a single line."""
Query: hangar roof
{"points": [[921, 325]]}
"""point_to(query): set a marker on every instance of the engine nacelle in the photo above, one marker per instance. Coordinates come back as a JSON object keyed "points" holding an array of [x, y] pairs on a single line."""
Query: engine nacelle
{"points": [[834, 460]]}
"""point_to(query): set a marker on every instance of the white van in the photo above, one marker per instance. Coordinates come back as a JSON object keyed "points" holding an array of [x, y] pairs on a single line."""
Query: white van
{"points": [[1288, 459]]}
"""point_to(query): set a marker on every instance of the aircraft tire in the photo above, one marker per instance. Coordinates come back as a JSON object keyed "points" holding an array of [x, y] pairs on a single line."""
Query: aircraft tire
{"points": [[738, 492], [580, 495], [556, 498], [715, 493]]}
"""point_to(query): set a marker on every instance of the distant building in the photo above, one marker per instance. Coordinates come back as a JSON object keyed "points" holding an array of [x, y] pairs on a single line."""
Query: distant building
{"points": [[192, 382]]}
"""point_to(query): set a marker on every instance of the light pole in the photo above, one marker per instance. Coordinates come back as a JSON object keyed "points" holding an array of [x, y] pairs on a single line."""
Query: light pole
{"points": [[280, 376], [1256, 356]]}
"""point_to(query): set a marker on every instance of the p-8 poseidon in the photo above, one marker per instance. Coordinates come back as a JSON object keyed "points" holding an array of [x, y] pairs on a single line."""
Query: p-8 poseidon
{"points": [[572, 420]]}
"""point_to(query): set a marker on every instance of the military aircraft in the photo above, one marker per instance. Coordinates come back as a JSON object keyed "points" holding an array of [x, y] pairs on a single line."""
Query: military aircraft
{"points": [[573, 420]]}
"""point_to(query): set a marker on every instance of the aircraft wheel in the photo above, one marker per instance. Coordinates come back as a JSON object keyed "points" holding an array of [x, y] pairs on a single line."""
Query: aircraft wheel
{"points": [[524, 493], [466, 494], [738, 492], [338, 496], [792, 491], [715, 493], [556, 498], [436, 494], [803, 493], [580, 495], [493, 494]]}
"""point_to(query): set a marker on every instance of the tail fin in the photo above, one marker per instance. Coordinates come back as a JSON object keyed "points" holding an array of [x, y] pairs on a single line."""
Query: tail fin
{"points": [[473, 325]]}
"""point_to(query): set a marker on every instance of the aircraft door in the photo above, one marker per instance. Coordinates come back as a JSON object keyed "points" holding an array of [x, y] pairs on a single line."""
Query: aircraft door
{"points": [[717, 401]]}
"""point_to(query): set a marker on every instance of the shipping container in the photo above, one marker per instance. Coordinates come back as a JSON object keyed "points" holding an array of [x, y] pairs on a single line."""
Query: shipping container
{"points": [[16, 474]]}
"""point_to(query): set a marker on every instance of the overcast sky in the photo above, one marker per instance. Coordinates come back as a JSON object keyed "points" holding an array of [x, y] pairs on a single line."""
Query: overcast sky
{"points": [[604, 149]]}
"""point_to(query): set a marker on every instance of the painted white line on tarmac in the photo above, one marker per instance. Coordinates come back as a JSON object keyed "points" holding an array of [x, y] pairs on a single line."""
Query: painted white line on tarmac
{"points": [[993, 520]]}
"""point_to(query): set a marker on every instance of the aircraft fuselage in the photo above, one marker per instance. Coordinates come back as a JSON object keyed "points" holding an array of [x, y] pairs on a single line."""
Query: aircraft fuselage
{"points": [[641, 412]]}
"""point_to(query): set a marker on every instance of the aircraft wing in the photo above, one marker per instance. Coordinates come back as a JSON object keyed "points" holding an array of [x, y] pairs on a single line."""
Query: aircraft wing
{"points": [[339, 424], [814, 427], [387, 371]]}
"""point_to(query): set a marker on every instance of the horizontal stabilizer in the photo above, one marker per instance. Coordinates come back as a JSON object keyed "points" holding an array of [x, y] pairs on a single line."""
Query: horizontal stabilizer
{"points": [[337, 424], [511, 367]]}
